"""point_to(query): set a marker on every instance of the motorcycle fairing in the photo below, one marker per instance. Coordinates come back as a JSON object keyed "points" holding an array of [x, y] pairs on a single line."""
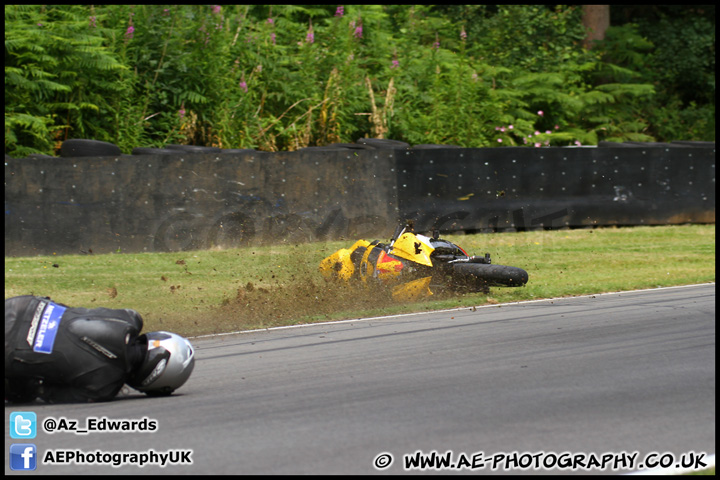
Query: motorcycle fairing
{"points": [[387, 267], [340, 264], [411, 262], [414, 290], [415, 248], [376, 263]]}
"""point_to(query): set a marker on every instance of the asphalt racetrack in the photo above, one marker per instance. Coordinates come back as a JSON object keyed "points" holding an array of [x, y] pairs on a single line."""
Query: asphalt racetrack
{"points": [[613, 374]]}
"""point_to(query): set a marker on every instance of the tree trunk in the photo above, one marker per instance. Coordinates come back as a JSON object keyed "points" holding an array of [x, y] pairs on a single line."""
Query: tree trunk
{"points": [[596, 19]]}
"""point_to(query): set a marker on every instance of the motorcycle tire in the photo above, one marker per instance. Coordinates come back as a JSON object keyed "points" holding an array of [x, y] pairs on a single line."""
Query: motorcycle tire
{"points": [[476, 276]]}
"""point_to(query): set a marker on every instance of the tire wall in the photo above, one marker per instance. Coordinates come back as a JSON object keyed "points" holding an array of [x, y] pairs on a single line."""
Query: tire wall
{"points": [[150, 203], [510, 189], [142, 203]]}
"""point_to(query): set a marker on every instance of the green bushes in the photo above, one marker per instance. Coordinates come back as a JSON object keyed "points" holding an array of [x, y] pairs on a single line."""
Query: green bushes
{"points": [[283, 77], [59, 74]]}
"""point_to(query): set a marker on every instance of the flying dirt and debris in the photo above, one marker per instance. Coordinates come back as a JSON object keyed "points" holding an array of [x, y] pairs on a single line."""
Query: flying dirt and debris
{"points": [[370, 277]]}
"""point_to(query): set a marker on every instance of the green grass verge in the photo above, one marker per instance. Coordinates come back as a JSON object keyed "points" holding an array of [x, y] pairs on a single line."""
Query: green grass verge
{"points": [[211, 291]]}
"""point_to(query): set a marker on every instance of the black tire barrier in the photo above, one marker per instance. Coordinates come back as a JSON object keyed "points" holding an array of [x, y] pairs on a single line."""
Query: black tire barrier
{"points": [[651, 144], [325, 148], [339, 146], [382, 143], [236, 150], [673, 144], [178, 233], [426, 146], [156, 151], [690, 143], [604, 144], [194, 148], [77, 147], [470, 190], [232, 230]]}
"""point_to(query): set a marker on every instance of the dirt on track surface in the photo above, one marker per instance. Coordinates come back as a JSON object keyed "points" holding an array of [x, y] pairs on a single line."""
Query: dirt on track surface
{"points": [[301, 301]]}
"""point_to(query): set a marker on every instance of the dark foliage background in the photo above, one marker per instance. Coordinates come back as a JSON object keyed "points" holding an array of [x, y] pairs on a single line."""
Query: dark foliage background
{"points": [[282, 77]]}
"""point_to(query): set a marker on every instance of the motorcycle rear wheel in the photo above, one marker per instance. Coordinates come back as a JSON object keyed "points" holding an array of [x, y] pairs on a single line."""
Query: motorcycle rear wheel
{"points": [[477, 276]]}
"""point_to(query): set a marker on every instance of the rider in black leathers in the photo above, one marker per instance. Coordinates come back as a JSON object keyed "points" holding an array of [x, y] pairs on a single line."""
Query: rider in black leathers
{"points": [[64, 354]]}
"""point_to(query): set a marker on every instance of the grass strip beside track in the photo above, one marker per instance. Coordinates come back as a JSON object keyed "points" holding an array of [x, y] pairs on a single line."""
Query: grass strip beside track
{"points": [[213, 291]]}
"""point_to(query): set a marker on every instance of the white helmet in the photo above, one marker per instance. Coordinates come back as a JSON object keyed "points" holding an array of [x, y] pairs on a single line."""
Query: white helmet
{"points": [[167, 365]]}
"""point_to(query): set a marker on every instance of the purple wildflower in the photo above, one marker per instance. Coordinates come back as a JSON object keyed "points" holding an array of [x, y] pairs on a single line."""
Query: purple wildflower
{"points": [[463, 35], [129, 33], [272, 38], [436, 45], [216, 8], [93, 18], [243, 85], [395, 64], [340, 11]]}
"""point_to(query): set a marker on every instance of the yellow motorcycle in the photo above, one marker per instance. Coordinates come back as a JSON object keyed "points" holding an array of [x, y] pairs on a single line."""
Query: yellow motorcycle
{"points": [[414, 266]]}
